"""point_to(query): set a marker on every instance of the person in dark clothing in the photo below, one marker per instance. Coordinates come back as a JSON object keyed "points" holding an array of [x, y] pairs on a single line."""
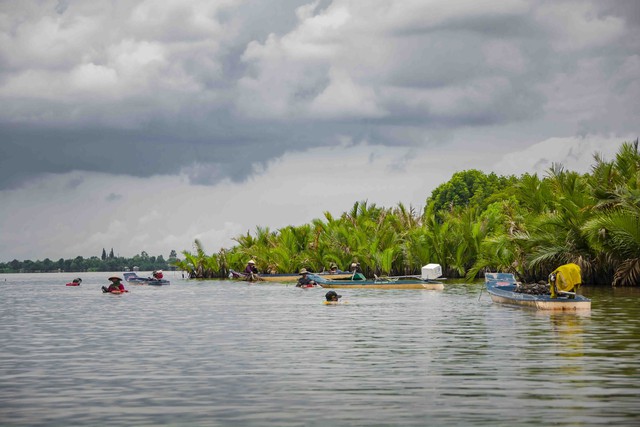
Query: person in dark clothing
{"points": [[251, 267], [305, 281]]}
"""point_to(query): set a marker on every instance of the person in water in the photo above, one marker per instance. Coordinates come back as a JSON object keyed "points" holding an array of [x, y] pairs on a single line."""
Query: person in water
{"points": [[305, 281], [332, 297], [116, 285], [77, 281]]}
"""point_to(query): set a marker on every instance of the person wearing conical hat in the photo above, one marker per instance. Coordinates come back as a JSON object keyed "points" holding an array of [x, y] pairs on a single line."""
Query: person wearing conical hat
{"points": [[305, 281], [115, 286], [251, 267]]}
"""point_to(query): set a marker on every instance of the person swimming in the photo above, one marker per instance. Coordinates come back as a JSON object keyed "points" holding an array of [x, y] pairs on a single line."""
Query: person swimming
{"points": [[332, 297]]}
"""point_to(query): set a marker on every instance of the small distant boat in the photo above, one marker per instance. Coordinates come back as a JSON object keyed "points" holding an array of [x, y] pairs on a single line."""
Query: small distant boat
{"points": [[427, 280], [132, 277], [502, 289]]}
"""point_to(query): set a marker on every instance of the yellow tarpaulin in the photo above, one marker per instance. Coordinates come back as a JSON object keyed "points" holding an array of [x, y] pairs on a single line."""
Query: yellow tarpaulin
{"points": [[565, 279]]}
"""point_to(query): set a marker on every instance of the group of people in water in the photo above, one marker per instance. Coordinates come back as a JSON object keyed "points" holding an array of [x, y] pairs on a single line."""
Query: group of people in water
{"points": [[116, 285], [304, 281]]}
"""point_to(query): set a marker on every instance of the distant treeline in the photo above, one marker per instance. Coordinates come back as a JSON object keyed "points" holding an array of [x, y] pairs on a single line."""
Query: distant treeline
{"points": [[476, 222], [109, 262]]}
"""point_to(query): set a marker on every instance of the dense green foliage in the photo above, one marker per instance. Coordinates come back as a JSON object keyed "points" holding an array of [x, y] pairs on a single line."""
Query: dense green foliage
{"points": [[79, 264], [474, 223]]}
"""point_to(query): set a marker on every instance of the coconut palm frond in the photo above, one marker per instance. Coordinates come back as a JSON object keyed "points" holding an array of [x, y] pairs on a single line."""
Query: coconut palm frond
{"points": [[627, 273]]}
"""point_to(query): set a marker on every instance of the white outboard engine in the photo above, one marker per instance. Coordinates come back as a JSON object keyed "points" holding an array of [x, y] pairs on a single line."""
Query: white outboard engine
{"points": [[431, 271]]}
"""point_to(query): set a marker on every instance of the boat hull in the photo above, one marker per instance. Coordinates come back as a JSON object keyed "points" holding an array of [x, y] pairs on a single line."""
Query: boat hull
{"points": [[282, 278], [131, 277], [377, 284], [500, 287]]}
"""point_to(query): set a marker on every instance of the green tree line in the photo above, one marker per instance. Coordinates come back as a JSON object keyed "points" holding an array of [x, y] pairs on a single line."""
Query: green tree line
{"points": [[106, 262], [473, 223]]}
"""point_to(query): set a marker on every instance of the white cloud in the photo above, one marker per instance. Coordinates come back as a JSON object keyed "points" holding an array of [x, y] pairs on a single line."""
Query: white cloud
{"points": [[92, 77], [578, 26], [574, 153], [345, 98]]}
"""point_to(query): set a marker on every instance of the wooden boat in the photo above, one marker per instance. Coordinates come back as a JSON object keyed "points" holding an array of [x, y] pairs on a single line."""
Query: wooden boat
{"points": [[282, 278], [399, 282], [501, 287], [132, 277]]}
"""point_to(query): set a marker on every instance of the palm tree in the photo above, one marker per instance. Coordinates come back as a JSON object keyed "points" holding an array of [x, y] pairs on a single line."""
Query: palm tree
{"points": [[615, 229], [557, 237]]}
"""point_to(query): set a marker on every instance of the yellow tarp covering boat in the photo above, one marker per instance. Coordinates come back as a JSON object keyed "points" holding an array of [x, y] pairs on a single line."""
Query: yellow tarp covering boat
{"points": [[564, 279]]}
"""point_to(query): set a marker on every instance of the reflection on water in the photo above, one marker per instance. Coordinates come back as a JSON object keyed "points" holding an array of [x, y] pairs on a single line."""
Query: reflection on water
{"points": [[229, 353]]}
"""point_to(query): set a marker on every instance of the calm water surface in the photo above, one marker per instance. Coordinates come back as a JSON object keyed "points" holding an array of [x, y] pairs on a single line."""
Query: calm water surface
{"points": [[236, 354]]}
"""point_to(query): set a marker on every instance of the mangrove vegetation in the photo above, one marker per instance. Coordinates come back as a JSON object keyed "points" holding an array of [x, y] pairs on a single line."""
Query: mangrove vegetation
{"points": [[476, 222]]}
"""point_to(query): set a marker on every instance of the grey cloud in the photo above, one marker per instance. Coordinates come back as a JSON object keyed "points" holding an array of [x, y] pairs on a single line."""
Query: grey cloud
{"points": [[74, 182], [62, 6], [165, 95], [112, 197]]}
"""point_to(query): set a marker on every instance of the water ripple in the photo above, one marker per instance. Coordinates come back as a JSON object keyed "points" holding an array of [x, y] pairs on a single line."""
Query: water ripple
{"points": [[229, 353]]}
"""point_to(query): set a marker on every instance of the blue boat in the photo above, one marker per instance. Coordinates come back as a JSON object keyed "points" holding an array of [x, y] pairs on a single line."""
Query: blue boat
{"points": [[132, 277], [502, 289]]}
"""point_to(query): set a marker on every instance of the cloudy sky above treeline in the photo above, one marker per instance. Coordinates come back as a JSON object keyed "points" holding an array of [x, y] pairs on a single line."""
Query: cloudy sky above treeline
{"points": [[143, 125]]}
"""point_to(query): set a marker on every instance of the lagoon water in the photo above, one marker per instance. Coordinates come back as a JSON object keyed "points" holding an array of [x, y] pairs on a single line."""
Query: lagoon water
{"points": [[222, 353]]}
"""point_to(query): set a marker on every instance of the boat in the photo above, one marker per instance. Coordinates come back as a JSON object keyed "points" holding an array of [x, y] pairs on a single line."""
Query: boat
{"points": [[132, 277], [283, 278], [502, 289], [427, 280]]}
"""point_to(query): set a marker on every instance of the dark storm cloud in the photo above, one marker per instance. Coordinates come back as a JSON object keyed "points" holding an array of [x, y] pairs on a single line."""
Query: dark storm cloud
{"points": [[112, 197], [210, 91]]}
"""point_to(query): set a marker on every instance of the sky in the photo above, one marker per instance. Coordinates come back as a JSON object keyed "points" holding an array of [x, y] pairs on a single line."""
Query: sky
{"points": [[144, 125]]}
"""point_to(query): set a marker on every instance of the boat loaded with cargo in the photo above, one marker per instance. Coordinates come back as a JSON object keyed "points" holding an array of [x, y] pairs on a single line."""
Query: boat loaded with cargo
{"points": [[560, 293]]}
